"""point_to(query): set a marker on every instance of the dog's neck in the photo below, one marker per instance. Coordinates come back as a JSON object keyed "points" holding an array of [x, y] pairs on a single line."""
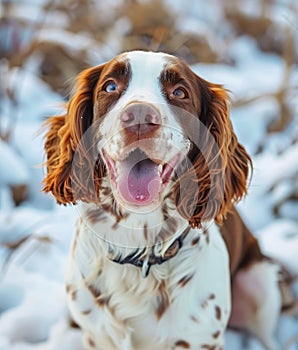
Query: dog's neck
{"points": [[134, 236], [123, 232], [145, 258], [125, 238]]}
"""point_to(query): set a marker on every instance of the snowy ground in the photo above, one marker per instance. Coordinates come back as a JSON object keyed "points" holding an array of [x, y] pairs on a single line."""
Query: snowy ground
{"points": [[35, 237]]}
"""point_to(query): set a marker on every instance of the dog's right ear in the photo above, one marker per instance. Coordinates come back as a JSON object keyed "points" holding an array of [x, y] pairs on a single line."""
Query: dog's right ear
{"points": [[64, 139]]}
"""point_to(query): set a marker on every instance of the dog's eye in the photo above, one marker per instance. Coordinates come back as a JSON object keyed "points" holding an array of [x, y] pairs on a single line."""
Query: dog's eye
{"points": [[110, 86], [179, 93]]}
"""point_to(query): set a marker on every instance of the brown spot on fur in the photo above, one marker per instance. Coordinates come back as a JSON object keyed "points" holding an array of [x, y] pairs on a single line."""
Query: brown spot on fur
{"points": [[195, 241], [91, 343], [99, 298], [86, 312], [216, 334], [101, 301], [211, 296], [113, 312], [95, 215], [76, 235], [218, 312], [73, 295], [106, 191], [193, 318], [114, 210], [95, 292], [182, 344], [163, 300], [71, 291], [204, 304], [207, 236], [146, 232], [165, 212], [169, 226], [184, 280], [208, 347], [115, 225], [73, 324], [74, 247]]}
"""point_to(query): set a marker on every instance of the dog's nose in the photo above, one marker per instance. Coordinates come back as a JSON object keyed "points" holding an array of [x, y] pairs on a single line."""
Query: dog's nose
{"points": [[140, 118]]}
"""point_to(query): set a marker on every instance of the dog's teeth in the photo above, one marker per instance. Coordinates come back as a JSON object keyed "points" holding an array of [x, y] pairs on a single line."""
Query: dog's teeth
{"points": [[127, 153], [159, 169], [187, 143]]}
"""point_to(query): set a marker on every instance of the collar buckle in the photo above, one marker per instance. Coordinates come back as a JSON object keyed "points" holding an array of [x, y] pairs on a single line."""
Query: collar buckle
{"points": [[150, 259], [146, 266]]}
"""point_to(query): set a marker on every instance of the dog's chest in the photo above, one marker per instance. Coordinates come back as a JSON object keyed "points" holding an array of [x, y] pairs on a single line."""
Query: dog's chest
{"points": [[183, 303]]}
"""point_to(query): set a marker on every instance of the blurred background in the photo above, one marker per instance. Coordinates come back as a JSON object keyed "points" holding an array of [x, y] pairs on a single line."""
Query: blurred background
{"points": [[250, 46]]}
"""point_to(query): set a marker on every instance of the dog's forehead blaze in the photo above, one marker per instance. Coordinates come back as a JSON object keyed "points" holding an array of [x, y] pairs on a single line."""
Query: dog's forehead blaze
{"points": [[156, 63], [150, 62]]}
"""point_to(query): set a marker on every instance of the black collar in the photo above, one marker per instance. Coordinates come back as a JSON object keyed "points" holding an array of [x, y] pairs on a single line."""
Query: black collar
{"points": [[146, 262]]}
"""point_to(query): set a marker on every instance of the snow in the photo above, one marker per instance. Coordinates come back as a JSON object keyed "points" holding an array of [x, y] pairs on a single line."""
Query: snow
{"points": [[35, 237], [267, 77], [15, 169]]}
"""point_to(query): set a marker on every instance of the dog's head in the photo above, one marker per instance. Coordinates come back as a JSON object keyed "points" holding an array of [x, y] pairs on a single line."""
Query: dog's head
{"points": [[144, 126]]}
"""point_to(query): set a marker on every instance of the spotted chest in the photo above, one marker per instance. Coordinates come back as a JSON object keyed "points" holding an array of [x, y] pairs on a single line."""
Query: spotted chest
{"points": [[183, 303]]}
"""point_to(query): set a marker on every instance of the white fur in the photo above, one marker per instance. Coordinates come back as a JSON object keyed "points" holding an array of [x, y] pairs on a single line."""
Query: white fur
{"points": [[133, 324], [257, 301]]}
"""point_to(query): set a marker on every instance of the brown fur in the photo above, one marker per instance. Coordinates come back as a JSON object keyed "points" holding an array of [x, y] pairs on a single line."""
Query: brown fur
{"points": [[242, 246], [220, 164], [64, 138]]}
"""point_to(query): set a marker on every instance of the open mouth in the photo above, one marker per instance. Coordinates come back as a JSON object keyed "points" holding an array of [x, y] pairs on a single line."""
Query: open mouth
{"points": [[139, 179]]}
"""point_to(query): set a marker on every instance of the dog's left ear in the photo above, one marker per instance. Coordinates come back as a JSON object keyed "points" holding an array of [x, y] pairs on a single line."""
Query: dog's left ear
{"points": [[235, 159], [221, 163]]}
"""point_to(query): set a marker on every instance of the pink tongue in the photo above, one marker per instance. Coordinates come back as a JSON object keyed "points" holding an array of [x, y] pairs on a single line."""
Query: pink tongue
{"points": [[139, 181]]}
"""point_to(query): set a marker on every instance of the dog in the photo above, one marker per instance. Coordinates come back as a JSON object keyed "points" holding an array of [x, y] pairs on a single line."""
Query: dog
{"points": [[160, 258]]}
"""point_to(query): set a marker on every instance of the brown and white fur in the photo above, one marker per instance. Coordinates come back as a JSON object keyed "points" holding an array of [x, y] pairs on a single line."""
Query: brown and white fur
{"points": [[148, 151]]}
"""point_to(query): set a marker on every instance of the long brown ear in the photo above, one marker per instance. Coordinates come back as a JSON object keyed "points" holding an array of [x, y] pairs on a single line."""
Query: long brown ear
{"points": [[70, 181], [220, 163], [235, 161]]}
